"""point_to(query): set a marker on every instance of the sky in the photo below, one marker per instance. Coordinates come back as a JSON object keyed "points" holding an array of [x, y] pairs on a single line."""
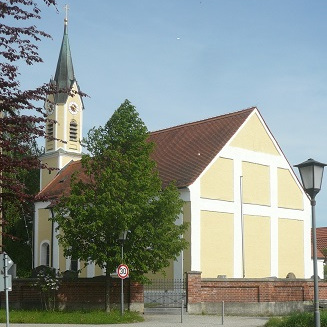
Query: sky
{"points": [[179, 61]]}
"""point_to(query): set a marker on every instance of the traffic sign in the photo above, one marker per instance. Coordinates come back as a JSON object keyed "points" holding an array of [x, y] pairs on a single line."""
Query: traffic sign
{"points": [[8, 283], [123, 271], [2, 261]]}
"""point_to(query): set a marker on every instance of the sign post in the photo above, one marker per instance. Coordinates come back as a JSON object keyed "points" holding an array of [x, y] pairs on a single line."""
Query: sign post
{"points": [[5, 264], [123, 273]]}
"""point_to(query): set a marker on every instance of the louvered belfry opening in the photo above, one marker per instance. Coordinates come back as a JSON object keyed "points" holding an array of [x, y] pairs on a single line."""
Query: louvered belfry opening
{"points": [[50, 130], [73, 131]]}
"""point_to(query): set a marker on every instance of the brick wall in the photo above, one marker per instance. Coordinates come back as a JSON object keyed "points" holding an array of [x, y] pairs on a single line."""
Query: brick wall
{"points": [[82, 293], [251, 290]]}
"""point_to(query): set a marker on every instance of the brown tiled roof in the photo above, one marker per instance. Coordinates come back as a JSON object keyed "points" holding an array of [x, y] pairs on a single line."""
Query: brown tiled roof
{"points": [[60, 185], [184, 151], [321, 233], [320, 255], [181, 152]]}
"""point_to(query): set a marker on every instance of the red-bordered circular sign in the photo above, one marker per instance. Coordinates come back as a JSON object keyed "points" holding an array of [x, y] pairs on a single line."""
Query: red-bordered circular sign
{"points": [[123, 271]]}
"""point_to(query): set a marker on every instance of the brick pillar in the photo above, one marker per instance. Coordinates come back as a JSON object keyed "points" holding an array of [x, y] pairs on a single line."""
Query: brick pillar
{"points": [[194, 294], [307, 291], [266, 292], [136, 302]]}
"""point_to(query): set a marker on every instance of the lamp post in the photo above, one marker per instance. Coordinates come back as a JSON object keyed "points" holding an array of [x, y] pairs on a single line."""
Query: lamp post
{"points": [[311, 173], [122, 239]]}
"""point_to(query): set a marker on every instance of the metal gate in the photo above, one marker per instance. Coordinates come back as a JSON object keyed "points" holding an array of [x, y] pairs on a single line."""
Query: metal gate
{"points": [[165, 293]]}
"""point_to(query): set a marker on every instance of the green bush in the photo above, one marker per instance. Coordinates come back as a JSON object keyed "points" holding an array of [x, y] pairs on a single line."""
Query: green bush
{"points": [[304, 319]]}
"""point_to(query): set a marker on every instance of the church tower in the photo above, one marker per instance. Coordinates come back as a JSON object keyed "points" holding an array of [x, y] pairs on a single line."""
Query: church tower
{"points": [[63, 141]]}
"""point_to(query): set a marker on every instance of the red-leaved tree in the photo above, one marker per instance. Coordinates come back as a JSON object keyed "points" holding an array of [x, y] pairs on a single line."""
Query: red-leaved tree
{"points": [[22, 114]]}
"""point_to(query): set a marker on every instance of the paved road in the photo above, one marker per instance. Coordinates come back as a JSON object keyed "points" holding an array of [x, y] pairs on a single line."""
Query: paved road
{"points": [[175, 321]]}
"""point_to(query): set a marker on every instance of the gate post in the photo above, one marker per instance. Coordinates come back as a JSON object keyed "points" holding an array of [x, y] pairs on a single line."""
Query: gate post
{"points": [[136, 297], [194, 296]]}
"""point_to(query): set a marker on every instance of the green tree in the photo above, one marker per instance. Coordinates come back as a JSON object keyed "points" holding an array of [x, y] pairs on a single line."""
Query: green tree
{"points": [[118, 190]]}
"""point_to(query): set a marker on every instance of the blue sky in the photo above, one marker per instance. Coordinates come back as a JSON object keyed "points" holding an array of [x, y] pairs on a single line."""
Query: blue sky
{"points": [[179, 61]]}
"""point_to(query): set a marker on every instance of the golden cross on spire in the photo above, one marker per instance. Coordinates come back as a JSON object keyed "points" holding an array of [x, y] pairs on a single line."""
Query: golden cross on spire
{"points": [[66, 17]]}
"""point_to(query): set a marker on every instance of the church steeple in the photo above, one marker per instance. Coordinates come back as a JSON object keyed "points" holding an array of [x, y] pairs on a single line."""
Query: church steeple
{"points": [[65, 113], [64, 76]]}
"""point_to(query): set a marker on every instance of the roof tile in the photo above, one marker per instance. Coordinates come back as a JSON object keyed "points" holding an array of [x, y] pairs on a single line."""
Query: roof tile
{"points": [[184, 151], [181, 152]]}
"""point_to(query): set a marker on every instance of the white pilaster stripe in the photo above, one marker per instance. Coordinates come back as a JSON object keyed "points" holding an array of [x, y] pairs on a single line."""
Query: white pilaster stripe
{"points": [[90, 270], [195, 226], [65, 125], [236, 209], [55, 246]]}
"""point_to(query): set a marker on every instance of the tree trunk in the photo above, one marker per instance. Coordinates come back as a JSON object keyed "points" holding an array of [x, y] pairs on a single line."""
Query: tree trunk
{"points": [[107, 290]]}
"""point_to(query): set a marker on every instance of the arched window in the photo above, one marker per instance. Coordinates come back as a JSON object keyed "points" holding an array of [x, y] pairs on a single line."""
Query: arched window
{"points": [[73, 131], [74, 264], [45, 254]]}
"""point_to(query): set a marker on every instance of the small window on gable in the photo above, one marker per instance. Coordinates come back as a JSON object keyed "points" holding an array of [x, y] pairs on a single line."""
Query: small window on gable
{"points": [[73, 131]]}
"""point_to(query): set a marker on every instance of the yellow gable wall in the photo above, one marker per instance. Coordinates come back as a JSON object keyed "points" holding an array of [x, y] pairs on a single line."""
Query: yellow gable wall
{"points": [[47, 175], [289, 193], [217, 182], [256, 183], [66, 160], [254, 137], [217, 238], [257, 246], [290, 247]]}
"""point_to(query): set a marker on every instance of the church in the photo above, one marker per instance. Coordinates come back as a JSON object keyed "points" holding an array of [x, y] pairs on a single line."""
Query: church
{"points": [[248, 214]]}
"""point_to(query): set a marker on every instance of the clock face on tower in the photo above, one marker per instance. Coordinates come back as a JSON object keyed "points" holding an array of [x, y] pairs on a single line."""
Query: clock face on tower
{"points": [[73, 108], [50, 108]]}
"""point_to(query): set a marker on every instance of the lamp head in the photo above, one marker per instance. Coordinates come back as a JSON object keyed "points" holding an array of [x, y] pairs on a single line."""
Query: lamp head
{"points": [[123, 236], [311, 172]]}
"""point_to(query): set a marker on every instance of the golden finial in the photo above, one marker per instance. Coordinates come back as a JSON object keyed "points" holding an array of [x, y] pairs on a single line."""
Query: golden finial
{"points": [[66, 17]]}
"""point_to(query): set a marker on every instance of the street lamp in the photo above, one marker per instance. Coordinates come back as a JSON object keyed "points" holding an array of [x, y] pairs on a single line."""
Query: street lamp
{"points": [[311, 172], [122, 239]]}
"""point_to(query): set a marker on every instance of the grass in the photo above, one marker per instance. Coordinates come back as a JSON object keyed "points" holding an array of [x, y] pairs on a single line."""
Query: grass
{"points": [[70, 317], [304, 319]]}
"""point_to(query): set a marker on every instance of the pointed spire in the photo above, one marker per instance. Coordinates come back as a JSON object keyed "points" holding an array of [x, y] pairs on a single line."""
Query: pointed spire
{"points": [[64, 76], [66, 20]]}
